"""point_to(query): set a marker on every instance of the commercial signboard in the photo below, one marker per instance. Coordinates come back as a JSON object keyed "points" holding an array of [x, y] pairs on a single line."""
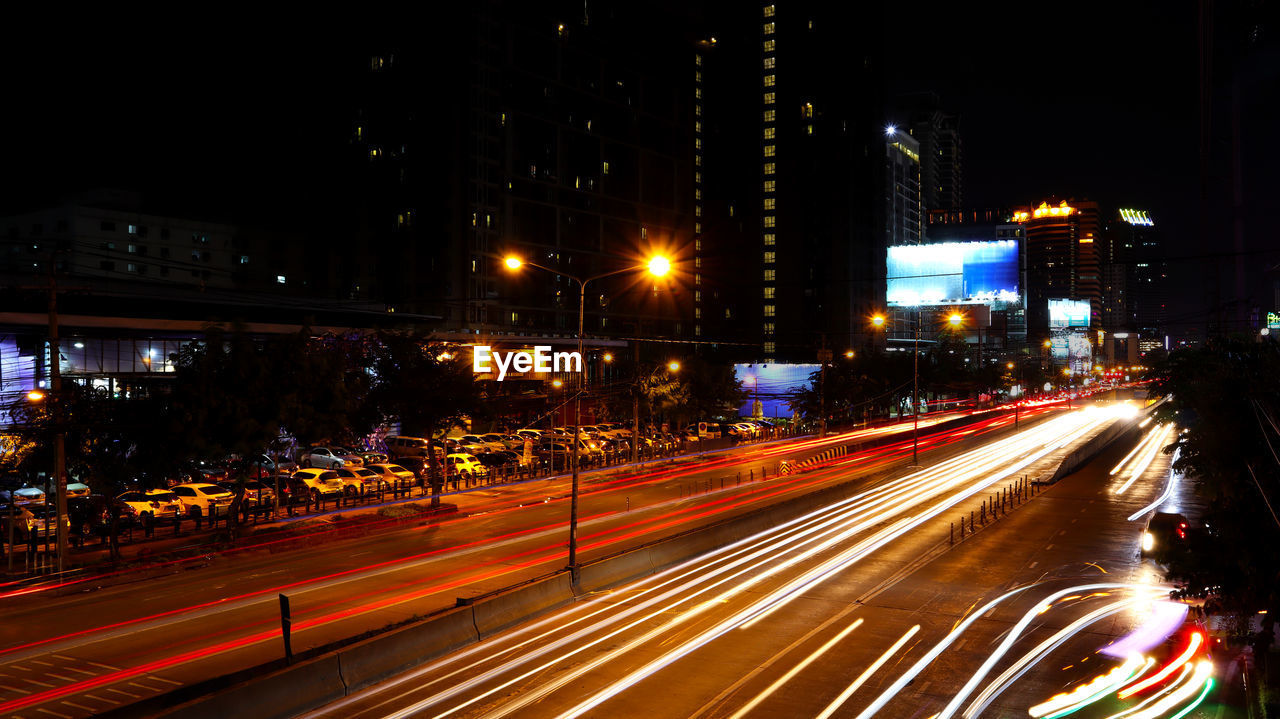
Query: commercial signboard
{"points": [[1069, 313], [953, 272]]}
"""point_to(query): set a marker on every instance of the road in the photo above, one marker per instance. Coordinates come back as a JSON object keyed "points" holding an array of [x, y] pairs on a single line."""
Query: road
{"points": [[71, 656], [865, 608]]}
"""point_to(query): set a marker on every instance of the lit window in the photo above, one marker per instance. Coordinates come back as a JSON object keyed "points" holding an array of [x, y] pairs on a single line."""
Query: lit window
{"points": [[697, 295], [133, 229], [769, 348], [768, 220], [697, 313], [697, 160], [697, 244], [697, 278], [697, 126], [768, 63], [769, 328], [769, 275], [770, 239], [768, 45], [697, 330], [728, 313], [697, 60], [697, 92], [768, 80], [769, 168], [769, 310], [132, 248], [769, 150], [769, 185], [697, 110], [770, 257], [697, 177], [731, 210], [375, 152], [768, 28], [244, 259], [769, 133], [769, 203], [697, 210], [133, 267], [769, 98], [769, 115], [807, 110], [769, 292], [644, 232], [697, 142], [697, 227], [280, 279], [768, 11], [697, 193], [697, 76], [605, 167], [808, 129]]}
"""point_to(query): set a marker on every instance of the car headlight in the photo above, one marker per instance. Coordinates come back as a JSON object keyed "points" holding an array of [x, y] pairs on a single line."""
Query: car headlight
{"points": [[1148, 541]]}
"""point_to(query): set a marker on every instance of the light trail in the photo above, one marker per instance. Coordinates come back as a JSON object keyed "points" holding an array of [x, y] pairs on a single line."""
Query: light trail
{"points": [[777, 684], [1196, 640], [1137, 448], [839, 528], [1183, 677], [1146, 459], [866, 674], [1033, 657], [1168, 490], [1201, 677], [1088, 693]]}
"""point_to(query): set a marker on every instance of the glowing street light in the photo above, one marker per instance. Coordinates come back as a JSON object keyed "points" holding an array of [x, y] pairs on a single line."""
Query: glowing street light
{"points": [[608, 357], [673, 366], [878, 320], [848, 354], [657, 266], [955, 318], [35, 395]]}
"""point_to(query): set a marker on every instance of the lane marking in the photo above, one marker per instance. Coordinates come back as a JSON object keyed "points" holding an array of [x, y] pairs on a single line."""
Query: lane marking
{"points": [[104, 700], [54, 713], [1048, 547], [167, 681], [120, 691], [1032, 565], [81, 707]]}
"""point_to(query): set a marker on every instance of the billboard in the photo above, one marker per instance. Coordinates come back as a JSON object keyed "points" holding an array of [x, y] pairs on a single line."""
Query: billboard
{"points": [[771, 385], [1068, 313], [953, 272]]}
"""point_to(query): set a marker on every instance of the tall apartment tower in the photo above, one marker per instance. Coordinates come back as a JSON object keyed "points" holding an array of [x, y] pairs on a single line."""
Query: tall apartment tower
{"points": [[563, 132], [941, 150], [903, 209], [1062, 240], [1145, 275]]}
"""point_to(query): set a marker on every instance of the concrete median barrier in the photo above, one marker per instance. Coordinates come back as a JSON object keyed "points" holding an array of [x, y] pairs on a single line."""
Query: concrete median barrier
{"points": [[617, 569], [386, 655], [509, 607], [278, 695]]}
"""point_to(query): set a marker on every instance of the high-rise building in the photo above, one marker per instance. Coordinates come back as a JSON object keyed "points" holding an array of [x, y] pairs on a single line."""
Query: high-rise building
{"points": [[1062, 259], [561, 132], [1144, 272], [903, 209], [941, 150]]}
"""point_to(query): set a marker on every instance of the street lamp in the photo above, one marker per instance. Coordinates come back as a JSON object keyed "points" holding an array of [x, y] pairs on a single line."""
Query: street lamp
{"points": [[657, 266]]}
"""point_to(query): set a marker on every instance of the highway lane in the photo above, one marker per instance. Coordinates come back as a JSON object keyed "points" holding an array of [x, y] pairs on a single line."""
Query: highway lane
{"points": [[64, 654], [829, 615]]}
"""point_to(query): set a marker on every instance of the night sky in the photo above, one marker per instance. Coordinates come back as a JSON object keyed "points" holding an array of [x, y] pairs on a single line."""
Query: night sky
{"points": [[237, 116]]}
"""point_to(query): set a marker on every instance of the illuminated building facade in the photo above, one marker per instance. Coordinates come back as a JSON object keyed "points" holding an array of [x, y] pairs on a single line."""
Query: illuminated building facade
{"points": [[903, 209], [1140, 265], [1062, 241]]}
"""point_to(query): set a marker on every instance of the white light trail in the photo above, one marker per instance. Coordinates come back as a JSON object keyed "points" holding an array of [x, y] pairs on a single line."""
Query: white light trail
{"points": [[1033, 657], [1086, 694], [1146, 459], [1202, 674], [1168, 491], [1183, 676], [1137, 448], [746, 708], [865, 675]]}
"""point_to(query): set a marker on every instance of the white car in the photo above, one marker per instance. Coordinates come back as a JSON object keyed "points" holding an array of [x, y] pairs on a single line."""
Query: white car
{"points": [[158, 503], [358, 480], [488, 445], [203, 499], [392, 473], [330, 458]]}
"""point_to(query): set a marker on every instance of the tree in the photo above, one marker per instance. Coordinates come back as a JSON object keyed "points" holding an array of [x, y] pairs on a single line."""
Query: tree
{"points": [[425, 386], [323, 388], [871, 382], [1225, 398]]}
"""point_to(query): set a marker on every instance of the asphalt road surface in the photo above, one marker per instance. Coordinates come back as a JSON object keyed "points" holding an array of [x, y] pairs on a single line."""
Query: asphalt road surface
{"points": [[870, 608], [82, 654]]}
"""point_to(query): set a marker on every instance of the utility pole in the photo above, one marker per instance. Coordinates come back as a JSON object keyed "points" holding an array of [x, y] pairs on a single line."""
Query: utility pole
{"points": [[635, 403], [915, 396], [824, 356], [55, 415]]}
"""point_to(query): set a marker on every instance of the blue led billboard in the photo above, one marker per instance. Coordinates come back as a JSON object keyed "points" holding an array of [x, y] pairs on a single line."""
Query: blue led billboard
{"points": [[772, 384], [953, 272]]}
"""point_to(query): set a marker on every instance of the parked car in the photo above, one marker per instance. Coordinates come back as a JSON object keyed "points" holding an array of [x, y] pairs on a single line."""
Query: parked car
{"points": [[24, 496], [317, 482], [533, 434], [392, 473], [499, 459], [398, 446], [203, 499], [257, 492], [463, 463], [490, 445], [358, 480], [23, 521], [77, 489], [370, 457], [330, 458], [156, 503]]}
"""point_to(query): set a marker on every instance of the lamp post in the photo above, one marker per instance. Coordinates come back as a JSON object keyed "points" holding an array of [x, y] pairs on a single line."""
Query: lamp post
{"points": [[657, 266]]}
